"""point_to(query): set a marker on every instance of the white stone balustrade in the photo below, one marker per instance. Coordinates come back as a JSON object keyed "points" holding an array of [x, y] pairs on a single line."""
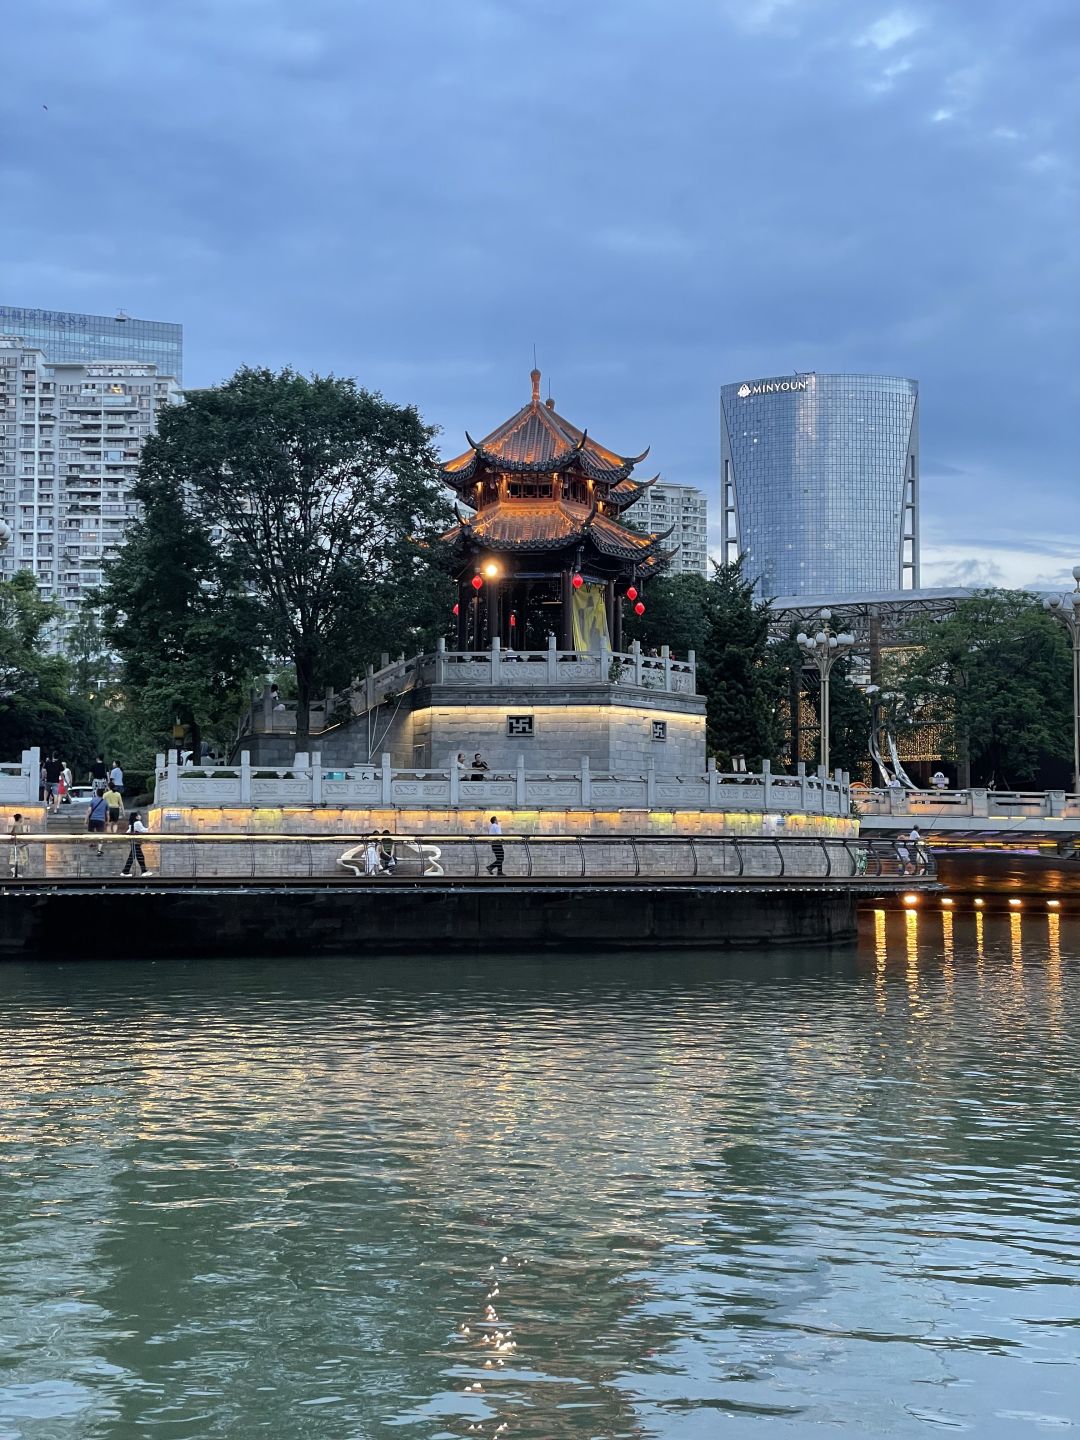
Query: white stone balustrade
{"points": [[307, 782], [20, 780], [496, 667]]}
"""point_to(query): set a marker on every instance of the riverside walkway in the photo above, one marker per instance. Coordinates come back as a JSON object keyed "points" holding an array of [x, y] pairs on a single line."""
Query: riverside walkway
{"points": [[225, 894]]}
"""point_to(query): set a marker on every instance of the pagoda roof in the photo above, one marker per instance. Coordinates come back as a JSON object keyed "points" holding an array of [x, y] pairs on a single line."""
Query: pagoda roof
{"points": [[538, 440], [536, 525]]}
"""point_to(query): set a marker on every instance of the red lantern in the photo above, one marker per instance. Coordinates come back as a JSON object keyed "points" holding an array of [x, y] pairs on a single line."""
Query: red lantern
{"points": [[513, 622], [477, 582], [457, 609], [639, 608], [631, 592], [577, 582]]}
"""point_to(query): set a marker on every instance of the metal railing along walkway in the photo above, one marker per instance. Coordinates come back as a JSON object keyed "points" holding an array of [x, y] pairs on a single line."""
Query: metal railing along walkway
{"points": [[354, 859]]}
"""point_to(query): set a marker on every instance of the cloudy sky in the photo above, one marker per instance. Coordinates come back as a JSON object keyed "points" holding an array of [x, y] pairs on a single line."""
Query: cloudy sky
{"points": [[661, 195]]}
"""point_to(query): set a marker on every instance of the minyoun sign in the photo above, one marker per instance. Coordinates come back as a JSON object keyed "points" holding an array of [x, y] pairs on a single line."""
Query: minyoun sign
{"points": [[770, 387]]}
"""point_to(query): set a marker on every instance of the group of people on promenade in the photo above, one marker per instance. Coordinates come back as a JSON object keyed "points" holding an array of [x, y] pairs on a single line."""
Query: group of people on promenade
{"points": [[380, 857]]}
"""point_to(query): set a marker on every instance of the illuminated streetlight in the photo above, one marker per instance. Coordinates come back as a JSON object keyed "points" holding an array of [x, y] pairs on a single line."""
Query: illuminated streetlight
{"points": [[823, 650]]}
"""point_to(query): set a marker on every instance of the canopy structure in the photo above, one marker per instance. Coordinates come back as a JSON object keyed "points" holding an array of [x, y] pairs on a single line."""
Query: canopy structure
{"points": [[545, 538]]}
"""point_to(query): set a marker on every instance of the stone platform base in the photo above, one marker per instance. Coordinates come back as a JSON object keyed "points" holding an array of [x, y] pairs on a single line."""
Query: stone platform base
{"points": [[307, 922]]}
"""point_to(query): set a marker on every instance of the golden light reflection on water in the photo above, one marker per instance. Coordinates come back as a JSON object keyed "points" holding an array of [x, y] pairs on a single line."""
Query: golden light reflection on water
{"points": [[948, 952], [1016, 943]]}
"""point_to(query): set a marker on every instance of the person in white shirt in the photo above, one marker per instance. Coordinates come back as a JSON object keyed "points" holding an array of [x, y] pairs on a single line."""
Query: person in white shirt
{"points": [[136, 856], [498, 854], [116, 775], [918, 855]]}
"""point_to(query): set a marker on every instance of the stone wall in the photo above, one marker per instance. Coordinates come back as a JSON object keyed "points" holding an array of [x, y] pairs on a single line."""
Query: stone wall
{"points": [[434, 922], [612, 724]]}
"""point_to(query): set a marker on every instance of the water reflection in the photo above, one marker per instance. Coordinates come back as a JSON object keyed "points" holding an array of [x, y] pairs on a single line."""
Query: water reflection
{"points": [[623, 1197]]}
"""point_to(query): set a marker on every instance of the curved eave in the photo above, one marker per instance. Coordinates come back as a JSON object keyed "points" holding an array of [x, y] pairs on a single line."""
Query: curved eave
{"points": [[626, 492]]}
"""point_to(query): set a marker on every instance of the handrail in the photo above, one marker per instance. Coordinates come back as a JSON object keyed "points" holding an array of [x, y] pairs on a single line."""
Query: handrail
{"points": [[251, 856]]}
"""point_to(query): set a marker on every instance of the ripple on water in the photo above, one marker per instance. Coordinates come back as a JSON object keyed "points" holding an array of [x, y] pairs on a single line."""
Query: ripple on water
{"points": [[615, 1197]]}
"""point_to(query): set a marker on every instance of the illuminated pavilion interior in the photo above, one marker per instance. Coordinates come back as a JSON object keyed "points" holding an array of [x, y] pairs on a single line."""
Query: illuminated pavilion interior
{"points": [[546, 550]]}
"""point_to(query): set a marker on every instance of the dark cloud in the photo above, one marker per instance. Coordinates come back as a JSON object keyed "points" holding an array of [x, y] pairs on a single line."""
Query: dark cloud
{"points": [[661, 197]]}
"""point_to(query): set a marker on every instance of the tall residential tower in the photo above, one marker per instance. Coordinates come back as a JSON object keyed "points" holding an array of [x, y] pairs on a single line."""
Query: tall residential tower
{"points": [[820, 482], [70, 437]]}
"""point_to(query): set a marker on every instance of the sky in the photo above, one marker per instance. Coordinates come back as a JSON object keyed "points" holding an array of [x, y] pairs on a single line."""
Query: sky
{"points": [[660, 195]]}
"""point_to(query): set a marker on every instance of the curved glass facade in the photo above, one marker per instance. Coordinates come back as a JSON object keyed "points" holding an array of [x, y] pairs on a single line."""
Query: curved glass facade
{"points": [[820, 482]]}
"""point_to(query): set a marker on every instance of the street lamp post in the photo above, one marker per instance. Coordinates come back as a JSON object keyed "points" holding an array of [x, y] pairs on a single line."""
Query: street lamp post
{"points": [[823, 650], [1066, 609]]}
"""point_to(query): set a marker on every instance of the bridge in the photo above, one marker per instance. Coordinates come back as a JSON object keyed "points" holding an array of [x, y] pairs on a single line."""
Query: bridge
{"points": [[956, 813]]}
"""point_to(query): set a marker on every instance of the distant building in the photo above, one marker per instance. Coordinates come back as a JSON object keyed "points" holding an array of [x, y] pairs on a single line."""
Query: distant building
{"points": [[820, 482], [70, 437], [663, 506], [91, 339]]}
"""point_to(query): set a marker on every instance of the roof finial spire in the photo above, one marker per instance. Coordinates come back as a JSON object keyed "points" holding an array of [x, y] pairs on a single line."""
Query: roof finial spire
{"points": [[535, 378]]}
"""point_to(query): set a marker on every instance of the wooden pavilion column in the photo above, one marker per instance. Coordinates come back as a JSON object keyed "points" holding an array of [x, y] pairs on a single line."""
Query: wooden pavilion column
{"points": [[609, 608], [463, 594], [616, 629], [567, 640]]}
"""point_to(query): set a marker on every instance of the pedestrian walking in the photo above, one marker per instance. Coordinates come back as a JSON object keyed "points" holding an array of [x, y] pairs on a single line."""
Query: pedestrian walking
{"points": [[386, 854], [498, 854], [43, 784], [918, 854], [114, 806], [97, 817], [17, 854], [67, 779], [99, 773], [371, 855], [135, 855], [116, 777], [53, 767], [479, 765]]}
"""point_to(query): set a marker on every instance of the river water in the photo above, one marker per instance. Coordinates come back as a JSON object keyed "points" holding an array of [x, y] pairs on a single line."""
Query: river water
{"points": [[785, 1195]]}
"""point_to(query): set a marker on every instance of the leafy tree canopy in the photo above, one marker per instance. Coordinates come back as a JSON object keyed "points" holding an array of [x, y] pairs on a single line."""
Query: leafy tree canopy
{"points": [[36, 706], [326, 499], [996, 675]]}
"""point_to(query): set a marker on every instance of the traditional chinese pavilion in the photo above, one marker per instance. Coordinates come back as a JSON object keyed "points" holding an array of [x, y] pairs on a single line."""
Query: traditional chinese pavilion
{"points": [[546, 551]]}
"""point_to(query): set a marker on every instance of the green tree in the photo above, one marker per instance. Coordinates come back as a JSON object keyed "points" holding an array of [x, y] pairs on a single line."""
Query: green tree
{"points": [[327, 497], [735, 672], [675, 614], [175, 611], [995, 676], [36, 704]]}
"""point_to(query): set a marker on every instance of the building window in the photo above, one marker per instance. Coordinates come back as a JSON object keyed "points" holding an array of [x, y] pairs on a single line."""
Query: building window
{"points": [[520, 726]]}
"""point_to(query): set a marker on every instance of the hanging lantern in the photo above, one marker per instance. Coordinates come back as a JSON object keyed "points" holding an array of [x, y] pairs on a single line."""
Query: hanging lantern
{"points": [[513, 622], [639, 608], [631, 592], [477, 582], [576, 581], [457, 609]]}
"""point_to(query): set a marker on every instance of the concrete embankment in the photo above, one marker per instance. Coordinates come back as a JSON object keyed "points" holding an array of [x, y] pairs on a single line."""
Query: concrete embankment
{"points": [[147, 920]]}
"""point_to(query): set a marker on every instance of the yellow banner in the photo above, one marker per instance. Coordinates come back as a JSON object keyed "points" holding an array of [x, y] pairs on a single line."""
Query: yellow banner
{"points": [[590, 617]]}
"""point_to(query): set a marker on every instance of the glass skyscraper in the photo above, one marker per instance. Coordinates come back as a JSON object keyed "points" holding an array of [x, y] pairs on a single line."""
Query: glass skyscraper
{"points": [[67, 335], [820, 482]]}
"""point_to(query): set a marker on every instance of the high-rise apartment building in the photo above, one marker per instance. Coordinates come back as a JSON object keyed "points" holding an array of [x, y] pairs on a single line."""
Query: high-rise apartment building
{"points": [[70, 437], [664, 505], [93, 339], [820, 482]]}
